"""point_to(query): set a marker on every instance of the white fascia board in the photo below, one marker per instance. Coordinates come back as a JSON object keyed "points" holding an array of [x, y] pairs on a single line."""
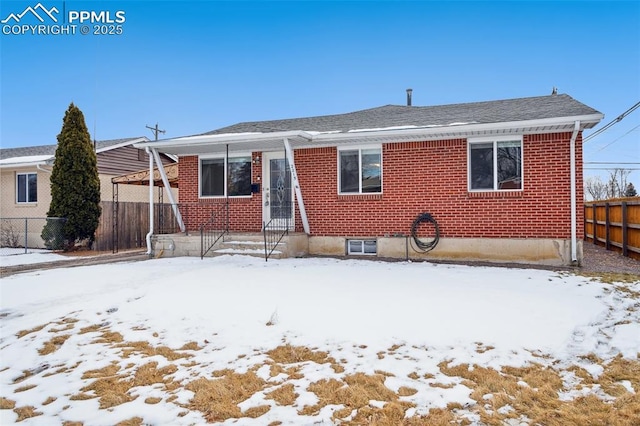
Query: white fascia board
{"points": [[22, 165], [123, 144], [224, 139]]}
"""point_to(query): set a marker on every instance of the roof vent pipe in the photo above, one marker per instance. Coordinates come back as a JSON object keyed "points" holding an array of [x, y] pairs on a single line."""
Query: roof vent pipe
{"points": [[409, 92]]}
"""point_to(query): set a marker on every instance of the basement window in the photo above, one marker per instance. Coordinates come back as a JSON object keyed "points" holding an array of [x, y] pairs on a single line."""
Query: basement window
{"points": [[362, 247]]}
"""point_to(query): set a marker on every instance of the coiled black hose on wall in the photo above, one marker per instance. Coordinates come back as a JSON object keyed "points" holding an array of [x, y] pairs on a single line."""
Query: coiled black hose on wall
{"points": [[424, 246]]}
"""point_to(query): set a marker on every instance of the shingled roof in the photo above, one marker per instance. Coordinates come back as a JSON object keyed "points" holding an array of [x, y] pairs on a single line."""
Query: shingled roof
{"points": [[41, 150], [388, 116]]}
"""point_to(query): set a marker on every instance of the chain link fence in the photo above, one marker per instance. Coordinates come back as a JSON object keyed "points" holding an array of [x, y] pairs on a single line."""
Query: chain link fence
{"points": [[18, 235]]}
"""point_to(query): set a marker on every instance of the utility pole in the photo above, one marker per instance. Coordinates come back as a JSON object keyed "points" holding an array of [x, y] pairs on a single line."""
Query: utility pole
{"points": [[155, 131]]}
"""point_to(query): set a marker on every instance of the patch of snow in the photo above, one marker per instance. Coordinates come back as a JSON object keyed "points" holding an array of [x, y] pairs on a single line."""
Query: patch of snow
{"points": [[14, 257]]}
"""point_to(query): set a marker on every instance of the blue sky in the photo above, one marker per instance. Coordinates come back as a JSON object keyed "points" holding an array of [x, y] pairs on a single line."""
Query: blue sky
{"points": [[194, 66]]}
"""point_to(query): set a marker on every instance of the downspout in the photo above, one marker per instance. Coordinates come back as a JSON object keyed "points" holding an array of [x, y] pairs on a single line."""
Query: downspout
{"points": [[574, 241], [150, 233]]}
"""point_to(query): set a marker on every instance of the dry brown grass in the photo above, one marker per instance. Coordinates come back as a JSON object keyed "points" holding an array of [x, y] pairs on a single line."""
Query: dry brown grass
{"points": [[255, 412], [6, 404], [24, 388], [218, 399], [613, 277], [67, 327], [113, 389], [72, 424], [134, 421], [191, 346], [20, 334], [25, 374], [354, 392], [144, 348], [539, 399], [288, 354], [407, 391], [53, 345], [149, 374], [283, 395], [152, 400], [63, 369], [26, 412], [109, 337], [49, 400]]}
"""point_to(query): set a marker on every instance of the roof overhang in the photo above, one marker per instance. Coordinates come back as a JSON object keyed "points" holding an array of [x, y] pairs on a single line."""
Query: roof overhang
{"points": [[26, 162], [249, 142]]}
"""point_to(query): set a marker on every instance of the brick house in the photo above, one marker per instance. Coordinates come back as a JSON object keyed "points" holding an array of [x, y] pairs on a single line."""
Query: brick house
{"points": [[500, 178]]}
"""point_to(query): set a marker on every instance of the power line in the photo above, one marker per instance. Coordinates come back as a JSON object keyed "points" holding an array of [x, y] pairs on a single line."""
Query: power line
{"points": [[611, 123], [617, 139]]}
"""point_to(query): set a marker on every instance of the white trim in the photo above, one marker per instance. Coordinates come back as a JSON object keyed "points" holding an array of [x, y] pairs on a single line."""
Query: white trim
{"points": [[121, 144], [220, 156], [359, 148], [165, 182], [495, 141], [195, 145], [296, 187], [27, 187]]}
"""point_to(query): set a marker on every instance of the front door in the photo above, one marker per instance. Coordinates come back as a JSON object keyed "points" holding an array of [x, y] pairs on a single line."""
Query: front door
{"points": [[277, 192]]}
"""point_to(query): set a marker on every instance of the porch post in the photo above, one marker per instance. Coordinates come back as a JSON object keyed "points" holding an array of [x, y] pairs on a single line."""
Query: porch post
{"points": [[165, 181], [296, 187]]}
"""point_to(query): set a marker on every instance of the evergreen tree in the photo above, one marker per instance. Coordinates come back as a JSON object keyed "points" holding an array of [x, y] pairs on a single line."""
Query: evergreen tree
{"points": [[75, 186], [630, 191]]}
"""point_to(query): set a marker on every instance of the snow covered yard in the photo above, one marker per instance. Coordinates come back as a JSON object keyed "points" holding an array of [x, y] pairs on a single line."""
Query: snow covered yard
{"points": [[20, 256], [235, 340]]}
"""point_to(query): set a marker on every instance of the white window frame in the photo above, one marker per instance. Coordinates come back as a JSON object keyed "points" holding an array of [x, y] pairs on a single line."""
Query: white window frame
{"points": [[226, 173], [495, 140], [27, 174], [360, 148], [362, 242]]}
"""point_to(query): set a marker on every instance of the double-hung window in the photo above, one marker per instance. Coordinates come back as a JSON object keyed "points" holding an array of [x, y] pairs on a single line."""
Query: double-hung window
{"points": [[26, 187], [360, 170], [495, 164], [220, 178]]}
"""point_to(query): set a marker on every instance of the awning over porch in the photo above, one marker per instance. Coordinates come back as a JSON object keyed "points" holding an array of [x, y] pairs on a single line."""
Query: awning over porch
{"points": [[142, 177]]}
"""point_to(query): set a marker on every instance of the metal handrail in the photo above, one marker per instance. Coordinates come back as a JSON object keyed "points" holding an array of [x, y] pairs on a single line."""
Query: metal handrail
{"points": [[273, 232], [212, 231]]}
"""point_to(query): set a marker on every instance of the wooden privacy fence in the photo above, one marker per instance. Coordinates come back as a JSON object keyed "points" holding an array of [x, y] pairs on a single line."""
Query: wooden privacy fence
{"points": [[128, 229], [614, 224]]}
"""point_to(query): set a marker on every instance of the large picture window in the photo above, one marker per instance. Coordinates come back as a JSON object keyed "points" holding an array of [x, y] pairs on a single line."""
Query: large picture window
{"points": [[360, 171], [235, 181], [495, 165], [27, 188]]}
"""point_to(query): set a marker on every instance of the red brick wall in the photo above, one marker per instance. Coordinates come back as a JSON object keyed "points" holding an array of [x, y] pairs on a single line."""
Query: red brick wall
{"points": [[245, 213], [421, 177]]}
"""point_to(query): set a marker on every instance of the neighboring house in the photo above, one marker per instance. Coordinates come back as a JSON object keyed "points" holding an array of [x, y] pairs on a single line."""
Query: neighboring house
{"points": [[25, 189], [501, 178]]}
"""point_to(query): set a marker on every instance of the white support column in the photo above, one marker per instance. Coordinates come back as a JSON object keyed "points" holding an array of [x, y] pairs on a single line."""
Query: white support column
{"points": [[165, 181], [296, 187]]}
